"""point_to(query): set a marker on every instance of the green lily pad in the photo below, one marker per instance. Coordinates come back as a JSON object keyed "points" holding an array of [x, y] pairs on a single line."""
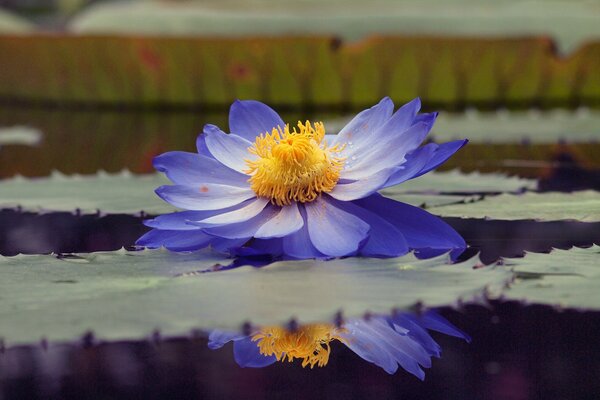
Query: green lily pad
{"points": [[122, 193], [126, 193], [583, 206], [127, 295], [457, 182], [570, 22], [566, 278]]}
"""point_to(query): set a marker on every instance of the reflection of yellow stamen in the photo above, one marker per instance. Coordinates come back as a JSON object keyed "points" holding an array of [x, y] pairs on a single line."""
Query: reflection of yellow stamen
{"points": [[294, 165], [309, 343]]}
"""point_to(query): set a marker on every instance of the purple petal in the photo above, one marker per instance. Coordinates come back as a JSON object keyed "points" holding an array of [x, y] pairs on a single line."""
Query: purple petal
{"points": [[201, 140], [175, 240], [244, 229], [247, 354], [388, 152], [207, 196], [231, 150], [250, 118], [250, 209], [287, 221], [332, 231], [385, 240], [415, 162], [191, 169], [363, 187], [298, 244], [442, 153], [218, 338], [435, 322], [421, 229], [180, 220], [359, 129]]}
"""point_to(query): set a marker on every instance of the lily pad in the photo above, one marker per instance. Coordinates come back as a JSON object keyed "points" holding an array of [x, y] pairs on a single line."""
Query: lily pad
{"points": [[583, 206], [126, 193], [570, 22], [566, 278], [457, 182], [122, 193], [126, 295]]}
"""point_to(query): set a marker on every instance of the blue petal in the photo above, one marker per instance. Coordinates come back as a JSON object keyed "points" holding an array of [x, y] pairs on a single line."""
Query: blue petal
{"points": [[442, 153], [362, 187], [384, 239], [249, 209], [298, 244], [421, 229], [227, 246], [361, 341], [192, 169], [250, 118], [175, 240], [246, 228], [359, 129], [415, 162], [247, 354], [435, 322], [332, 231], [208, 196], [417, 332], [287, 221], [180, 220], [231, 150], [218, 338], [387, 152], [201, 140]]}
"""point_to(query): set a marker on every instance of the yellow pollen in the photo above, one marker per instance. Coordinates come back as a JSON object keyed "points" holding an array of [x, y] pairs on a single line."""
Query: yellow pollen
{"points": [[294, 165], [309, 343]]}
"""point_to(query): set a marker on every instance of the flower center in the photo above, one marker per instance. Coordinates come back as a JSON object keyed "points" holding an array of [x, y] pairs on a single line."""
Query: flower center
{"points": [[294, 165], [309, 343]]}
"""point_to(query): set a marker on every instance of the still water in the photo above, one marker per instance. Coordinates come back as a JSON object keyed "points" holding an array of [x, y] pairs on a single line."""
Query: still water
{"points": [[516, 352]]}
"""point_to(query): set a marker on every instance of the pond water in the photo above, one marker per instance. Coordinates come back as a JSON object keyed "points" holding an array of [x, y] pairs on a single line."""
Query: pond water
{"points": [[517, 351]]}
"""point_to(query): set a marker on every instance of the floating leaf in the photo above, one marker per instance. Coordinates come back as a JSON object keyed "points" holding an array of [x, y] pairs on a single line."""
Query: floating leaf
{"points": [[121, 193], [567, 278], [120, 295], [358, 19], [125, 193], [456, 182], [295, 70], [583, 206]]}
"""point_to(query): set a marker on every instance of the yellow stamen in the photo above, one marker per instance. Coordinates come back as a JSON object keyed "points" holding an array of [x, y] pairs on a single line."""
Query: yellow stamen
{"points": [[294, 165], [309, 343]]}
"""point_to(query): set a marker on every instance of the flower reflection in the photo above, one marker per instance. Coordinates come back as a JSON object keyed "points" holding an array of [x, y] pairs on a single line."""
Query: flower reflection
{"points": [[386, 341]]}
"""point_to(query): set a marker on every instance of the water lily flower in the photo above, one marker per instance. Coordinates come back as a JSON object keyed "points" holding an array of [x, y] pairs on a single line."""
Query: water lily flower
{"points": [[386, 341], [295, 192]]}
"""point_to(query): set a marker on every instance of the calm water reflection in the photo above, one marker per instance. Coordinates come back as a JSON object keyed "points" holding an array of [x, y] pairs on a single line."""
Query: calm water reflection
{"points": [[400, 339]]}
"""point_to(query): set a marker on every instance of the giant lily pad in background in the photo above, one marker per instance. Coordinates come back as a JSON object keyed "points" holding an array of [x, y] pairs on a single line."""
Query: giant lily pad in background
{"points": [[128, 295], [583, 206], [126, 193], [571, 22], [567, 278], [294, 71]]}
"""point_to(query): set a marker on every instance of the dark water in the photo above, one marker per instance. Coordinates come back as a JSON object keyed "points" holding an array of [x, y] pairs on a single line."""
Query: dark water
{"points": [[517, 352]]}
